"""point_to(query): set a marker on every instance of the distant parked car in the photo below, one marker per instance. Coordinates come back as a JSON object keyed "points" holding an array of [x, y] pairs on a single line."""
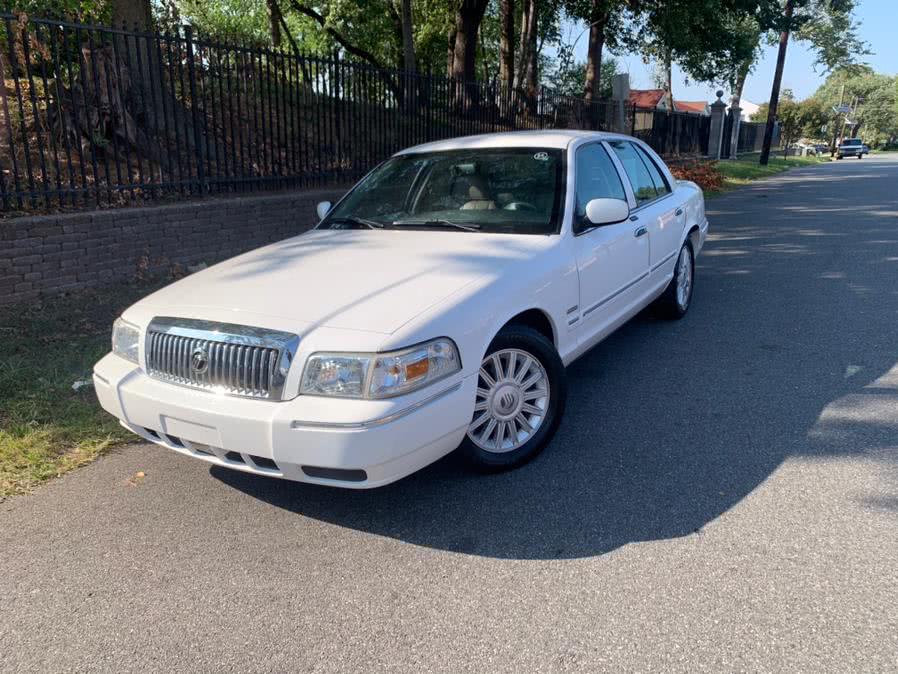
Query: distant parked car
{"points": [[821, 148], [866, 149], [435, 306], [801, 150], [851, 147]]}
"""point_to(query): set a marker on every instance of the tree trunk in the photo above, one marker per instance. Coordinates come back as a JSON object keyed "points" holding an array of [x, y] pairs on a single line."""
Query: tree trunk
{"points": [[147, 84], [274, 23], [506, 44], [668, 81], [777, 80], [131, 13], [523, 45], [532, 70], [450, 51], [408, 37], [736, 99], [464, 55], [525, 74], [598, 19]]}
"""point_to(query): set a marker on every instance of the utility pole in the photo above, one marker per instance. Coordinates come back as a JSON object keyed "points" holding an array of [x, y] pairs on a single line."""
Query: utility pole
{"points": [[845, 117], [832, 148], [777, 80]]}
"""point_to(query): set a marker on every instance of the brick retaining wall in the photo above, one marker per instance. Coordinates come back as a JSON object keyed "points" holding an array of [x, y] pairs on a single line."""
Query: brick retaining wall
{"points": [[51, 254]]}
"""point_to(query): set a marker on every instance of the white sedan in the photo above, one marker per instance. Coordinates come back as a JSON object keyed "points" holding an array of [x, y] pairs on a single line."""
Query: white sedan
{"points": [[434, 307]]}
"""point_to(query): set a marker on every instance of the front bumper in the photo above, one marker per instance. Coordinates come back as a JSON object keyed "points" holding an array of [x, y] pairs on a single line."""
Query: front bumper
{"points": [[348, 443]]}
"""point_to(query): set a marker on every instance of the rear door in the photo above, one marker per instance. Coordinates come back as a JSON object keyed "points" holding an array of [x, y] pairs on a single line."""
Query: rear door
{"points": [[656, 208]]}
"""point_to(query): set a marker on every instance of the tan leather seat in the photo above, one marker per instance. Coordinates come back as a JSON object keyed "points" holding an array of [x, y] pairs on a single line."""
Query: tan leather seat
{"points": [[478, 195]]}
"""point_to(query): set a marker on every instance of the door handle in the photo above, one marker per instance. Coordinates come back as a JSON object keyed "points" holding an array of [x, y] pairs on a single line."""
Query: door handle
{"points": [[634, 218], [679, 211], [639, 232]]}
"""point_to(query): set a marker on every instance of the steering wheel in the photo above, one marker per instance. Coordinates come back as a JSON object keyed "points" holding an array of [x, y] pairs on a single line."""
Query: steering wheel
{"points": [[519, 206]]}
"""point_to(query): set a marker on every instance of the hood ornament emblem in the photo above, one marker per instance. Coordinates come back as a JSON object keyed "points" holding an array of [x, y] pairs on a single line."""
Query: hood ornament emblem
{"points": [[199, 360]]}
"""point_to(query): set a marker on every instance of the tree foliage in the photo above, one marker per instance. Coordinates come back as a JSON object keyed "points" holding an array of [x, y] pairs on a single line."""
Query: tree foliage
{"points": [[569, 77], [872, 97]]}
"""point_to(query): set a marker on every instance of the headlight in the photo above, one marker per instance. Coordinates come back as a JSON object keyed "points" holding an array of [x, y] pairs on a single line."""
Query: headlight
{"points": [[380, 375], [125, 338]]}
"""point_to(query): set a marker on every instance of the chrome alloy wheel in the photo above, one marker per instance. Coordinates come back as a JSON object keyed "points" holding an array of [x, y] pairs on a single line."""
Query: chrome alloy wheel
{"points": [[512, 400], [684, 277]]}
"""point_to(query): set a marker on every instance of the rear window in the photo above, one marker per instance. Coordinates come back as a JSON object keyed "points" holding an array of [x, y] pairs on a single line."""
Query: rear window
{"points": [[851, 141]]}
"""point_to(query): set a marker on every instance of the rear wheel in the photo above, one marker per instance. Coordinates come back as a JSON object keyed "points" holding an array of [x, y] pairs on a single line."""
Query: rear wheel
{"points": [[677, 298], [521, 393]]}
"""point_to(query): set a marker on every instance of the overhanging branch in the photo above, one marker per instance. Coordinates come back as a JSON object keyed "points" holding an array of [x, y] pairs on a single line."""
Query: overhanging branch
{"points": [[346, 44], [342, 41]]}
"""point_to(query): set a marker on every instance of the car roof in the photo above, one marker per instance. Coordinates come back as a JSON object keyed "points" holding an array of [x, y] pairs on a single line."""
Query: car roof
{"points": [[553, 138]]}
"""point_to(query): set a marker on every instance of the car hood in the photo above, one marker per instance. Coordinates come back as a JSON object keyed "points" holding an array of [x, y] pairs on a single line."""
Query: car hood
{"points": [[348, 279]]}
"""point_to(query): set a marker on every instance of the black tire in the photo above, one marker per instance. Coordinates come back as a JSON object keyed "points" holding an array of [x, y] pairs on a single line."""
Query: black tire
{"points": [[838, 156], [668, 305], [534, 344], [860, 156]]}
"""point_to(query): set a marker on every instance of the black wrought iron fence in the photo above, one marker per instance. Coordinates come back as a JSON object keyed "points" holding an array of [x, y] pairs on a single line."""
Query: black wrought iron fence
{"points": [[751, 137], [672, 133], [97, 116]]}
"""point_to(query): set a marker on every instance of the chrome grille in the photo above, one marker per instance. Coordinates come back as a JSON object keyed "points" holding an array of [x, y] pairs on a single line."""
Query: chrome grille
{"points": [[233, 359]]}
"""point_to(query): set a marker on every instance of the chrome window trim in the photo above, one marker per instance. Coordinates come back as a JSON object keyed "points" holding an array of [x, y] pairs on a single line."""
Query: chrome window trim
{"points": [[233, 334], [656, 200], [379, 421]]}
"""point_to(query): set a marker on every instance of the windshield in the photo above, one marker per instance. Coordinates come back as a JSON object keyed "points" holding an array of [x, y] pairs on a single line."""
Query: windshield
{"points": [[506, 190], [851, 141]]}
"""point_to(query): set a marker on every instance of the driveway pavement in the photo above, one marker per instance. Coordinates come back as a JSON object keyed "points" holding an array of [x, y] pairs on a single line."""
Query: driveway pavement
{"points": [[722, 495]]}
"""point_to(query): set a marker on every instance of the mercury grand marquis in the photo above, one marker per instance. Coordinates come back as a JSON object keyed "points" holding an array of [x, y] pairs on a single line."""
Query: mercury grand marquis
{"points": [[434, 307]]}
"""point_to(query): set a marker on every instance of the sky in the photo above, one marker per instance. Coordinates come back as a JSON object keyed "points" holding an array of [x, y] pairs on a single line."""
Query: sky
{"points": [[878, 27]]}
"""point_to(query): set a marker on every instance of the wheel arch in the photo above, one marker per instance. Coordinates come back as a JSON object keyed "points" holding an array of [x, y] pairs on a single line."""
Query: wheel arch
{"points": [[536, 319], [694, 237]]}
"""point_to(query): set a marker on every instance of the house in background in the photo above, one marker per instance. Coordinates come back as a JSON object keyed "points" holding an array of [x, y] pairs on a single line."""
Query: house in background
{"points": [[747, 110], [656, 99], [649, 99], [695, 107]]}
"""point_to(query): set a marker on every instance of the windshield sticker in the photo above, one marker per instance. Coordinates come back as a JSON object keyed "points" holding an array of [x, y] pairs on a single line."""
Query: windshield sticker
{"points": [[541, 156]]}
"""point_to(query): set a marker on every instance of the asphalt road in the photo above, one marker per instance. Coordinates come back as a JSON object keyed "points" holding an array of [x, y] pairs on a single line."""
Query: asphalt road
{"points": [[722, 495]]}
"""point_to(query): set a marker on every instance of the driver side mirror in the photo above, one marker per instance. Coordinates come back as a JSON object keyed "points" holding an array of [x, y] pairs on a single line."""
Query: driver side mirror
{"points": [[322, 209], [607, 211]]}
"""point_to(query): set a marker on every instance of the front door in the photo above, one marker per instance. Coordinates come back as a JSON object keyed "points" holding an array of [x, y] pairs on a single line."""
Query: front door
{"points": [[612, 260]]}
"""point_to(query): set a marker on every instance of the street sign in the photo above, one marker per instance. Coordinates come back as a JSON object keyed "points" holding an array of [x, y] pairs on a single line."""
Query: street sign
{"points": [[842, 109]]}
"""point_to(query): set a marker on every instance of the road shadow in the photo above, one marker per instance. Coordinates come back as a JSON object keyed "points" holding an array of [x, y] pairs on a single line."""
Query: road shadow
{"points": [[669, 425]]}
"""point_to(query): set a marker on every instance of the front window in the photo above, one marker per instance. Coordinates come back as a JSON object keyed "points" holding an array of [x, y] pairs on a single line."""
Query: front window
{"points": [[505, 190], [596, 179]]}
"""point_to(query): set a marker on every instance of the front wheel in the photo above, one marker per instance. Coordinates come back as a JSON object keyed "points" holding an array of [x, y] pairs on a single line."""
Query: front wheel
{"points": [[677, 297], [521, 392]]}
